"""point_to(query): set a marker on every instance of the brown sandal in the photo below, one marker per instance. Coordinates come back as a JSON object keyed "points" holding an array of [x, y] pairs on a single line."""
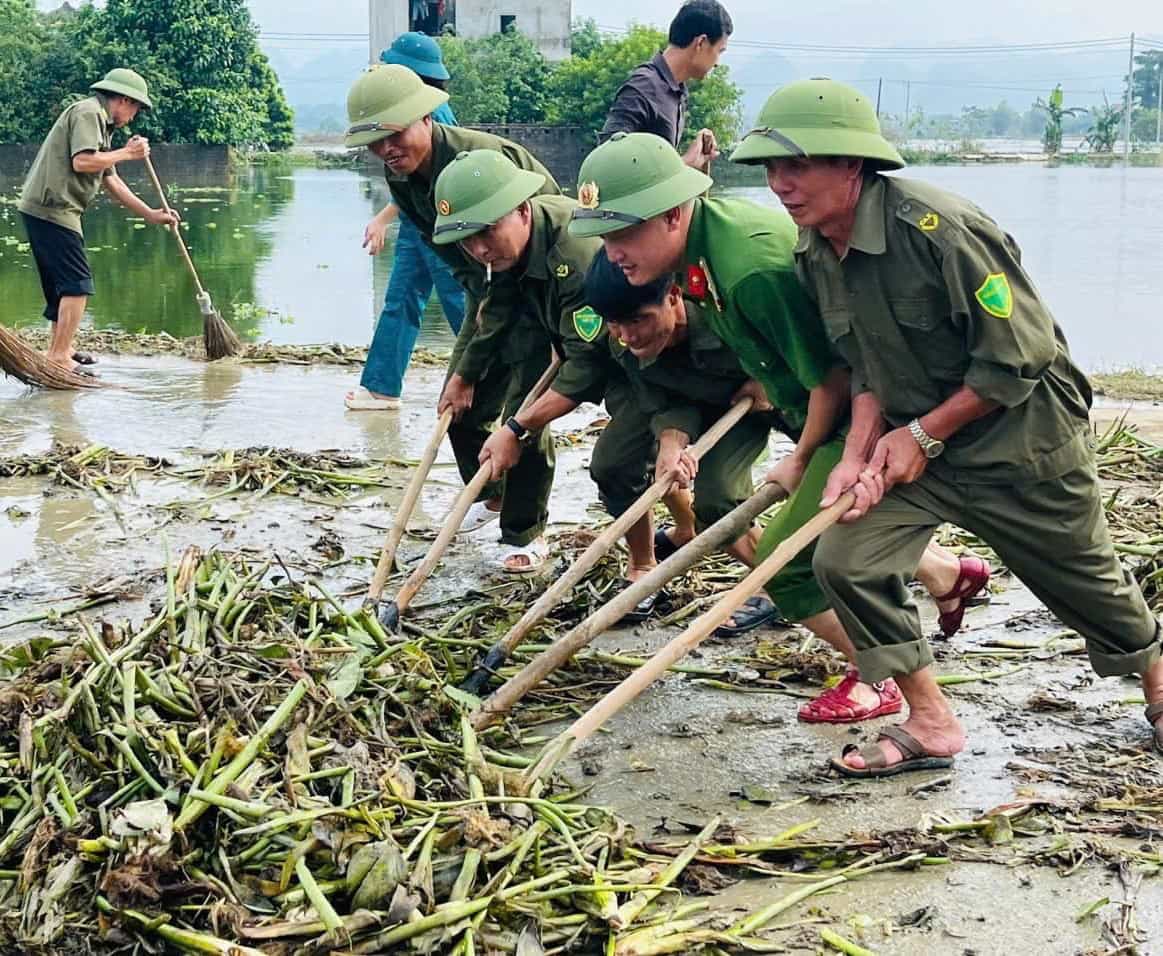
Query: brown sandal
{"points": [[1155, 719], [912, 750]]}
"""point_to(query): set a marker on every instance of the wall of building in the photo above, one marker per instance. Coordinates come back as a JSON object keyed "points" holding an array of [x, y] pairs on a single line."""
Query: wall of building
{"points": [[546, 22], [560, 148]]}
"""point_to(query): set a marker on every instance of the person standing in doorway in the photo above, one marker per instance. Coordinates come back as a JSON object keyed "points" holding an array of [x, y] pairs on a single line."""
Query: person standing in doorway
{"points": [[74, 162], [416, 268], [654, 98]]}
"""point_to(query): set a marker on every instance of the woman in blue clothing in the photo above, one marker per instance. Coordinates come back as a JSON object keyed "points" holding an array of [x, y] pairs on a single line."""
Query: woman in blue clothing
{"points": [[416, 269]]}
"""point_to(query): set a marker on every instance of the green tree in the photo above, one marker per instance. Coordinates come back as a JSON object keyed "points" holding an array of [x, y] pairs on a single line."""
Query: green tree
{"points": [[1104, 129], [1055, 113], [497, 79], [1003, 119], [1144, 126], [22, 37], [207, 76], [581, 88], [584, 37], [1148, 69]]}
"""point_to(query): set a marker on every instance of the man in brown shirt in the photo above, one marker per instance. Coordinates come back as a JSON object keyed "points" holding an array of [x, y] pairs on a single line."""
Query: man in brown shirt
{"points": [[654, 98]]}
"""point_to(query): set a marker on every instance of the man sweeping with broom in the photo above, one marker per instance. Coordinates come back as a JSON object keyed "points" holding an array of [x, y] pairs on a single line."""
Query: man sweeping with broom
{"points": [[74, 162]]}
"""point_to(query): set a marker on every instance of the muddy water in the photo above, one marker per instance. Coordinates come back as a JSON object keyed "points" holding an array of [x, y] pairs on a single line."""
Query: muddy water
{"points": [[288, 243]]}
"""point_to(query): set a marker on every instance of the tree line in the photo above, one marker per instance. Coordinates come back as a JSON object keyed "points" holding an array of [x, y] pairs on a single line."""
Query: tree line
{"points": [[207, 76]]}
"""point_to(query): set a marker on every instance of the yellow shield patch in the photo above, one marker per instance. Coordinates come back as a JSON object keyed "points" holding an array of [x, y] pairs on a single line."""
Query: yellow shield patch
{"points": [[929, 221], [561, 271], [996, 296]]}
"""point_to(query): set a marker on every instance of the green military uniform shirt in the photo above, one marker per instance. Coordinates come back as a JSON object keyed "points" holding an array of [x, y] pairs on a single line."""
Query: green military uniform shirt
{"points": [[478, 344], [755, 303], [670, 387], [54, 191], [930, 296], [552, 287]]}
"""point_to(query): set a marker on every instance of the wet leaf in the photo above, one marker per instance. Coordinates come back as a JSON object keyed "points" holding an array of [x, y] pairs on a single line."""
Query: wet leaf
{"points": [[345, 678], [529, 942]]}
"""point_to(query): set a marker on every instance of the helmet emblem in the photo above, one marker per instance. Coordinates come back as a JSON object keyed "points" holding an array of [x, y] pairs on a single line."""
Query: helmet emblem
{"points": [[587, 195], [444, 207]]}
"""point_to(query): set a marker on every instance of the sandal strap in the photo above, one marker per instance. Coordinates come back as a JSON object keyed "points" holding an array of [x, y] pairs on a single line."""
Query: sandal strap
{"points": [[906, 743], [967, 567]]}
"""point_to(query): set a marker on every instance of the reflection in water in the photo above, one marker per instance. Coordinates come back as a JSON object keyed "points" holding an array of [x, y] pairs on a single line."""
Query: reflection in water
{"points": [[290, 242]]}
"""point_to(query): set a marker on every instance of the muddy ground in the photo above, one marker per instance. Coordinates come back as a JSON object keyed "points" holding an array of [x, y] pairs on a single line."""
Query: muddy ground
{"points": [[684, 750]]}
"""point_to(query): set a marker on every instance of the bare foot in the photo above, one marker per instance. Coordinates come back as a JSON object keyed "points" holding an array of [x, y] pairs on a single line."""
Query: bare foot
{"points": [[636, 571], [940, 738]]}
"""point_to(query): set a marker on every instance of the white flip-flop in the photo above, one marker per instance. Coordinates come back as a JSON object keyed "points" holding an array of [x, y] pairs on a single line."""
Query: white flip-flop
{"points": [[537, 553], [477, 516], [361, 400]]}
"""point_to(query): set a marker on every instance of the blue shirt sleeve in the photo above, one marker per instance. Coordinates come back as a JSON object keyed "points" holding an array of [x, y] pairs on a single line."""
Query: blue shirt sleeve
{"points": [[443, 114]]}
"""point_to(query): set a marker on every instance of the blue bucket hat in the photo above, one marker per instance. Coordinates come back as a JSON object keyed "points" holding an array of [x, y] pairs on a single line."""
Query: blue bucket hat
{"points": [[419, 53]]}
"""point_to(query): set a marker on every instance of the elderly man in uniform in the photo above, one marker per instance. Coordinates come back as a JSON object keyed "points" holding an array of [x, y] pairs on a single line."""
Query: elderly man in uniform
{"points": [[654, 98], [736, 258], [74, 162], [495, 361], [966, 408], [493, 210]]}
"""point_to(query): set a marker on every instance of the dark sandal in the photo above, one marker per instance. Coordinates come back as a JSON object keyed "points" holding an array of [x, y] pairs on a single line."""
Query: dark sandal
{"points": [[663, 546], [1155, 719], [754, 612], [914, 754], [642, 610], [84, 358], [972, 579], [87, 372]]}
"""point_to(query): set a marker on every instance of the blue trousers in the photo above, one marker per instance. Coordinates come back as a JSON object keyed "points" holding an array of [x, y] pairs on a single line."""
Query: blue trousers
{"points": [[415, 270]]}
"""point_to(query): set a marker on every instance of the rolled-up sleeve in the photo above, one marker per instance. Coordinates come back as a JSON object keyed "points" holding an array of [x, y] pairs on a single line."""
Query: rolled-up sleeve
{"points": [[1009, 331]]}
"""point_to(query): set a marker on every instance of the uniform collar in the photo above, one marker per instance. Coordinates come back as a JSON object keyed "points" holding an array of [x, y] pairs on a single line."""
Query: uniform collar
{"points": [[537, 254], [696, 244], [659, 63], [103, 102], [868, 227]]}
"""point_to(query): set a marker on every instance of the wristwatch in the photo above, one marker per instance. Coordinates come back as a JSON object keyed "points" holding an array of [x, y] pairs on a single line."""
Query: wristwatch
{"points": [[931, 446], [517, 428]]}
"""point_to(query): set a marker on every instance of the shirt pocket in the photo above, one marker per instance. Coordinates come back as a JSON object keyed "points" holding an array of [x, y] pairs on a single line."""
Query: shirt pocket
{"points": [[931, 335], [838, 324]]}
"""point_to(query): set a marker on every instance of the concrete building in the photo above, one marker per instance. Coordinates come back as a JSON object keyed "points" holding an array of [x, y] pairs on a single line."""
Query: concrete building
{"points": [[546, 22]]}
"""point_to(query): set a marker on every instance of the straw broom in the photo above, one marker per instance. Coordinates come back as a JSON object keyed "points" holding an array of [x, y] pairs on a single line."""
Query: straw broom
{"points": [[219, 338], [22, 361]]}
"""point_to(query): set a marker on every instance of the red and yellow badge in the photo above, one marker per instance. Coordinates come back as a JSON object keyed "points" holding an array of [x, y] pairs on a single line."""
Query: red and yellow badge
{"points": [[587, 195], [444, 207], [696, 282], [699, 283]]}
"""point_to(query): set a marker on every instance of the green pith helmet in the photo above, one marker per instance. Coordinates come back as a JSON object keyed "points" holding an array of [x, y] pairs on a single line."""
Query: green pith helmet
{"points": [[386, 99], [476, 189], [630, 178], [817, 118], [123, 82]]}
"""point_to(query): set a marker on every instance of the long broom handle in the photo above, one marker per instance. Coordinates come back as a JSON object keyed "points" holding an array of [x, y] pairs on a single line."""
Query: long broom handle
{"points": [[404, 511], [464, 501], [689, 639], [725, 530], [176, 230], [614, 532]]}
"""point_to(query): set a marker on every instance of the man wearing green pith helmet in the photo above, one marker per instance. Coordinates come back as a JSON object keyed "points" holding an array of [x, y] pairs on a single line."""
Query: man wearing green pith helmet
{"points": [[75, 162], [491, 209], [654, 218], [966, 407], [497, 359]]}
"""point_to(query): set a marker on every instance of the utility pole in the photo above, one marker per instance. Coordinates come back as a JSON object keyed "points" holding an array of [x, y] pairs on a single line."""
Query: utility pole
{"points": [[908, 101], [1127, 103], [1159, 105], [880, 83]]}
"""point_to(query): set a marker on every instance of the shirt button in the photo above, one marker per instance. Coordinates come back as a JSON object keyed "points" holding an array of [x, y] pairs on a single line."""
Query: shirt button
{"points": [[906, 207]]}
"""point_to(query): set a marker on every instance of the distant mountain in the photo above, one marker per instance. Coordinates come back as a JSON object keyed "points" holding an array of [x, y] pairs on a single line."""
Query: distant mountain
{"points": [[317, 87]]}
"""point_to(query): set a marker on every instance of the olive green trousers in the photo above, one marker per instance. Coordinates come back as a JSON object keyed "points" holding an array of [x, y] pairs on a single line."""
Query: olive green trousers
{"points": [[1052, 534]]}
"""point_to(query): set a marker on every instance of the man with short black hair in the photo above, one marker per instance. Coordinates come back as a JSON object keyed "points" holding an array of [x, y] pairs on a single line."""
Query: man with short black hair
{"points": [[654, 98]]}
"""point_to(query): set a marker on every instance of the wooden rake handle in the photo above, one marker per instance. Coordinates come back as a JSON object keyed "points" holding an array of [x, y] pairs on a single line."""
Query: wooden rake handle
{"points": [[722, 532], [415, 484], [616, 529], [176, 230], [464, 502], [694, 635]]}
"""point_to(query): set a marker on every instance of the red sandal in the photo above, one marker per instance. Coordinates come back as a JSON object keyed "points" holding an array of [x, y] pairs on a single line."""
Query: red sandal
{"points": [[971, 581], [835, 706]]}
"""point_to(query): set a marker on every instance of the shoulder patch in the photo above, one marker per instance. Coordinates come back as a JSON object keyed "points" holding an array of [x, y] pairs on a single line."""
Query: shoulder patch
{"points": [[587, 323], [929, 221], [561, 271], [995, 295]]}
